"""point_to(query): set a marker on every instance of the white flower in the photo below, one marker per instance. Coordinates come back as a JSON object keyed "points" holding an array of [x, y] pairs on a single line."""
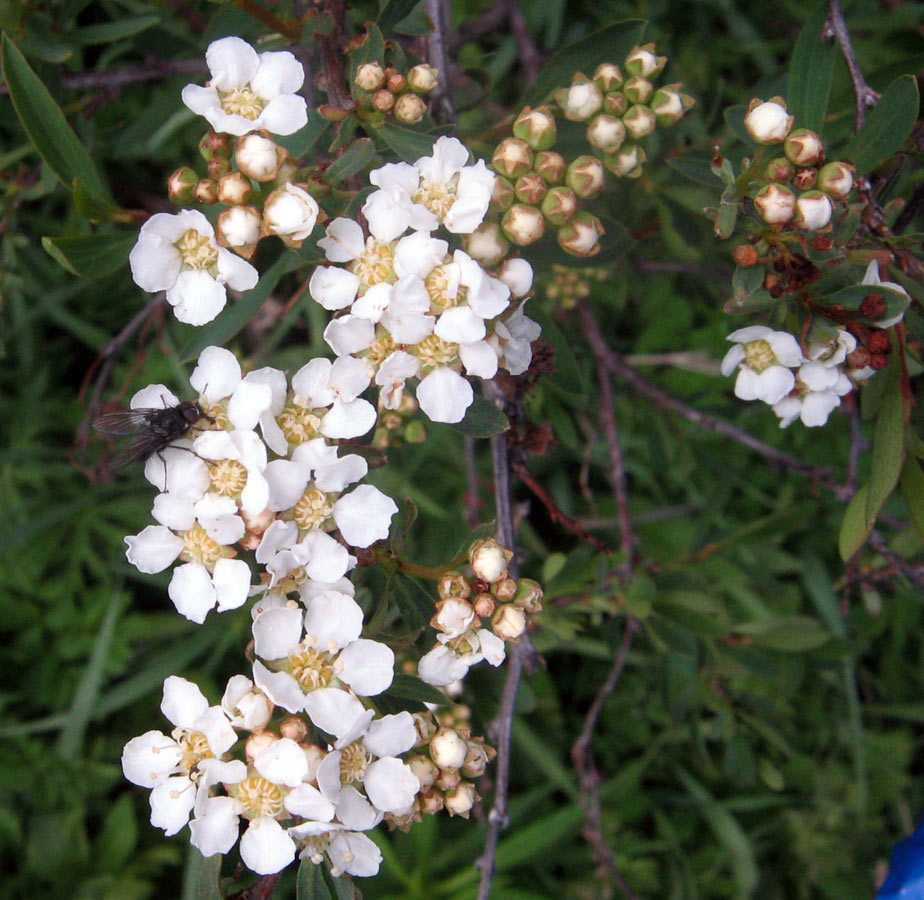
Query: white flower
{"points": [[444, 395], [178, 254], [833, 352], [764, 359], [337, 385], [820, 389], [450, 660], [249, 91], [290, 213]]}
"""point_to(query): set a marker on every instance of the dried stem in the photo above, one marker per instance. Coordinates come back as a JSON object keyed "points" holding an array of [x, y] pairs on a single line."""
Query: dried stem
{"points": [[865, 95], [333, 76]]}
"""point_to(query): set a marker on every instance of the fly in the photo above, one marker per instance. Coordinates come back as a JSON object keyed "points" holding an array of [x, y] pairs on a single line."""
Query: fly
{"points": [[154, 429]]}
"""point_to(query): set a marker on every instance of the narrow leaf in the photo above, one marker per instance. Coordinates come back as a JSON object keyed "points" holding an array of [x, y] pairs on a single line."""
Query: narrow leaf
{"points": [[888, 446], [91, 255], [810, 73], [482, 419], [201, 876], [107, 32], [304, 139], [409, 144], [353, 160], [408, 687], [854, 530], [887, 126], [912, 486], [310, 883], [393, 11]]}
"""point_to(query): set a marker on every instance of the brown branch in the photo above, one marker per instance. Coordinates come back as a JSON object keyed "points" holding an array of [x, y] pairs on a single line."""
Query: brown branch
{"points": [[530, 58], [914, 574], [151, 70], [333, 75], [865, 95], [264, 889], [439, 13]]}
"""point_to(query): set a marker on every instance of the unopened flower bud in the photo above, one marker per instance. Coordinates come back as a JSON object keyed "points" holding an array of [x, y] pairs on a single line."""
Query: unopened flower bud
{"points": [[206, 191], [484, 605], [486, 244], [430, 801], [395, 82], [505, 589], [559, 205], [669, 105], [745, 256], [607, 133], [768, 122], [258, 157], [425, 770], [536, 127], [580, 101], [804, 148], [836, 179], [585, 176], [218, 166], [615, 104], [453, 585], [512, 158], [626, 162], [239, 229], [448, 779], [234, 189], [425, 727], [873, 307], [453, 616], [215, 144], [502, 195], [643, 61], [523, 224], [638, 89], [423, 78], [448, 749], [879, 361], [459, 802], [550, 165], [776, 204], [293, 727], [415, 432], [287, 173], [489, 560], [369, 77], [509, 622], [383, 101], [813, 211], [290, 213], [879, 342], [181, 184], [608, 77], [640, 121], [410, 109], [258, 742], [529, 595], [530, 189], [476, 760], [859, 358], [780, 170], [804, 179], [581, 236]]}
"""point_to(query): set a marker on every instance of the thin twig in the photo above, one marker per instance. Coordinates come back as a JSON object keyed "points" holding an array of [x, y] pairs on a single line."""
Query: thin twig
{"points": [[690, 361], [439, 13], [530, 57], [150, 70], [914, 574], [865, 95], [473, 502], [333, 74]]}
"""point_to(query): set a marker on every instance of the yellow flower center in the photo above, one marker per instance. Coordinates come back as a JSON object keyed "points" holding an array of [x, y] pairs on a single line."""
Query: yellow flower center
{"points": [[195, 747], [199, 547], [259, 797], [439, 285], [759, 355], [311, 668], [299, 424], [217, 414], [242, 102], [437, 196], [228, 477], [377, 264], [434, 351], [197, 250], [313, 847], [378, 351], [312, 508], [353, 762]]}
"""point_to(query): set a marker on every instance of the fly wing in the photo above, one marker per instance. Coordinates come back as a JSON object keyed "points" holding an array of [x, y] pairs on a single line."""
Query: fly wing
{"points": [[125, 421], [138, 449]]}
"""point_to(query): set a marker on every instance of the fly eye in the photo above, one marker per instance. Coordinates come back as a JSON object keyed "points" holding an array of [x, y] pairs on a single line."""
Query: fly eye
{"points": [[192, 413]]}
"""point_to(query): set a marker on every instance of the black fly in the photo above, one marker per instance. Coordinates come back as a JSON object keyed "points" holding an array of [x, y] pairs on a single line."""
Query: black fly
{"points": [[154, 429]]}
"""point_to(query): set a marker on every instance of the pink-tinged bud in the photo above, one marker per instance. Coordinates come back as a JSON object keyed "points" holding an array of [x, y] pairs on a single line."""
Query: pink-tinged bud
{"points": [[505, 589], [615, 104], [258, 157], [486, 244], [258, 742], [512, 158], [234, 189], [537, 127], [529, 595], [425, 770], [502, 196], [489, 560], [626, 162], [430, 802], [608, 77], [448, 749], [804, 148], [294, 728], [606, 133], [423, 78], [369, 77], [669, 105], [335, 113], [640, 121], [454, 586], [395, 81], [509, 622], [643, 61], [215, 144], [448, 779], [804, 179], [476, 760], [836, 179], [559, 205], [206, 191], [410, 109], [290, 213], [768, 122], [523, 224], [530, 189], [580, 101], [550, 166], [776, 204], [453, 616], [638, 89], [780, 170], [218, 166], [383, 101], [585, 176], [459, 802], [181, 184], [813, 211], [239, 229], [484, 605], [581, 236]]}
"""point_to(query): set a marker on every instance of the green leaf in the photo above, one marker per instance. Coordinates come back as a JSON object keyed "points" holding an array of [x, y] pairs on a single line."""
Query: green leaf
{"points": [[413, 602], [354, 160], [310, 883], [90, 206], [409, 687], [304, 139], [912, 487], [854, 530], [887, 126], [115, 844], [568, 374], [610, 44], [392, 12], [407, 143], [811, 71], [888, 444], [788, 634], [640, 596], [482, 419], [91, 255], [46, 126], [850, 298], [201, 877], [113, 31], [372, 50]]}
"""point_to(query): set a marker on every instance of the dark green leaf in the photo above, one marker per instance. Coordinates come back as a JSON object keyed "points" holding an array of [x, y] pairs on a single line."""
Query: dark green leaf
{"points": [[734, 118], [310, 883], [354, 160], [115, 844], [789, 634], [611, 44], [568, 374], [482, 419], [90, 206], [887, 126], [888, 444], [850, 298], [696, 168], [372, 50], [640, 596], [479, 533], [201, 880], [408, 687], [45, 124], [413, 602], [91, 255], [811, 70], [854, 530], [393, 11], [407, 143], [304, 139], [113, 31], [912, 486]]}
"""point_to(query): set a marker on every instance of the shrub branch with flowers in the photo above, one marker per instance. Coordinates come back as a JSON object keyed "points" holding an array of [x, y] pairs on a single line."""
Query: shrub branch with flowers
{"points": [[437, 270]]}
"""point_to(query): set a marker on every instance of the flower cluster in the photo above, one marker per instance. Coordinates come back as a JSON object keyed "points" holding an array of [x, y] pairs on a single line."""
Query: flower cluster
{"points": [[412, 308], [386, 91]]}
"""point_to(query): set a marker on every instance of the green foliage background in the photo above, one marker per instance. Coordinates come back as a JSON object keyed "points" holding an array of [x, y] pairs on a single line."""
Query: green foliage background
{"points": [[765, 738]]}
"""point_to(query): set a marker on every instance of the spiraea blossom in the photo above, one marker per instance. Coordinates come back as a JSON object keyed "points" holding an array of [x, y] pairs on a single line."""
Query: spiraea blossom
{"points": [[764, 359], [178, 254], [249, 90]]}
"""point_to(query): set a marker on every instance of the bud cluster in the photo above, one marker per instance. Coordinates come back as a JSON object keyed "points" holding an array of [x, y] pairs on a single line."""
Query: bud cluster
{"points": [[567, 286], [386, 91], [399, 426]]}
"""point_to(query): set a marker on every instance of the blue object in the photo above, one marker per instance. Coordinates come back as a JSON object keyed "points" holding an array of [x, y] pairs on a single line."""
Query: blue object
{"points": [[906, 870]]}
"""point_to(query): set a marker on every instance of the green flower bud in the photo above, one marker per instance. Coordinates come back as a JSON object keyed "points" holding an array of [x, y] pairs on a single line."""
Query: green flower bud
{"points": [[550, 165], [530, 189], [523, 224], [502, 196], [383, 101], [780, 170], [615, 104], [804, 179], [536, 127], [608, 77], [643, 61], [606, 133], [181, 184], [581, 100], [214, 144], [581, 236], [836, 179], [776, 204], [369, 77], [559, 205], [234, 189], [206, 191], [486, 244], [804, 147], [640, 121], [638, 89], [768, 123], [626, 162], [669, 105], [423, 78], [410, 109], [585, 176], [813, 211], [512, 158]]}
